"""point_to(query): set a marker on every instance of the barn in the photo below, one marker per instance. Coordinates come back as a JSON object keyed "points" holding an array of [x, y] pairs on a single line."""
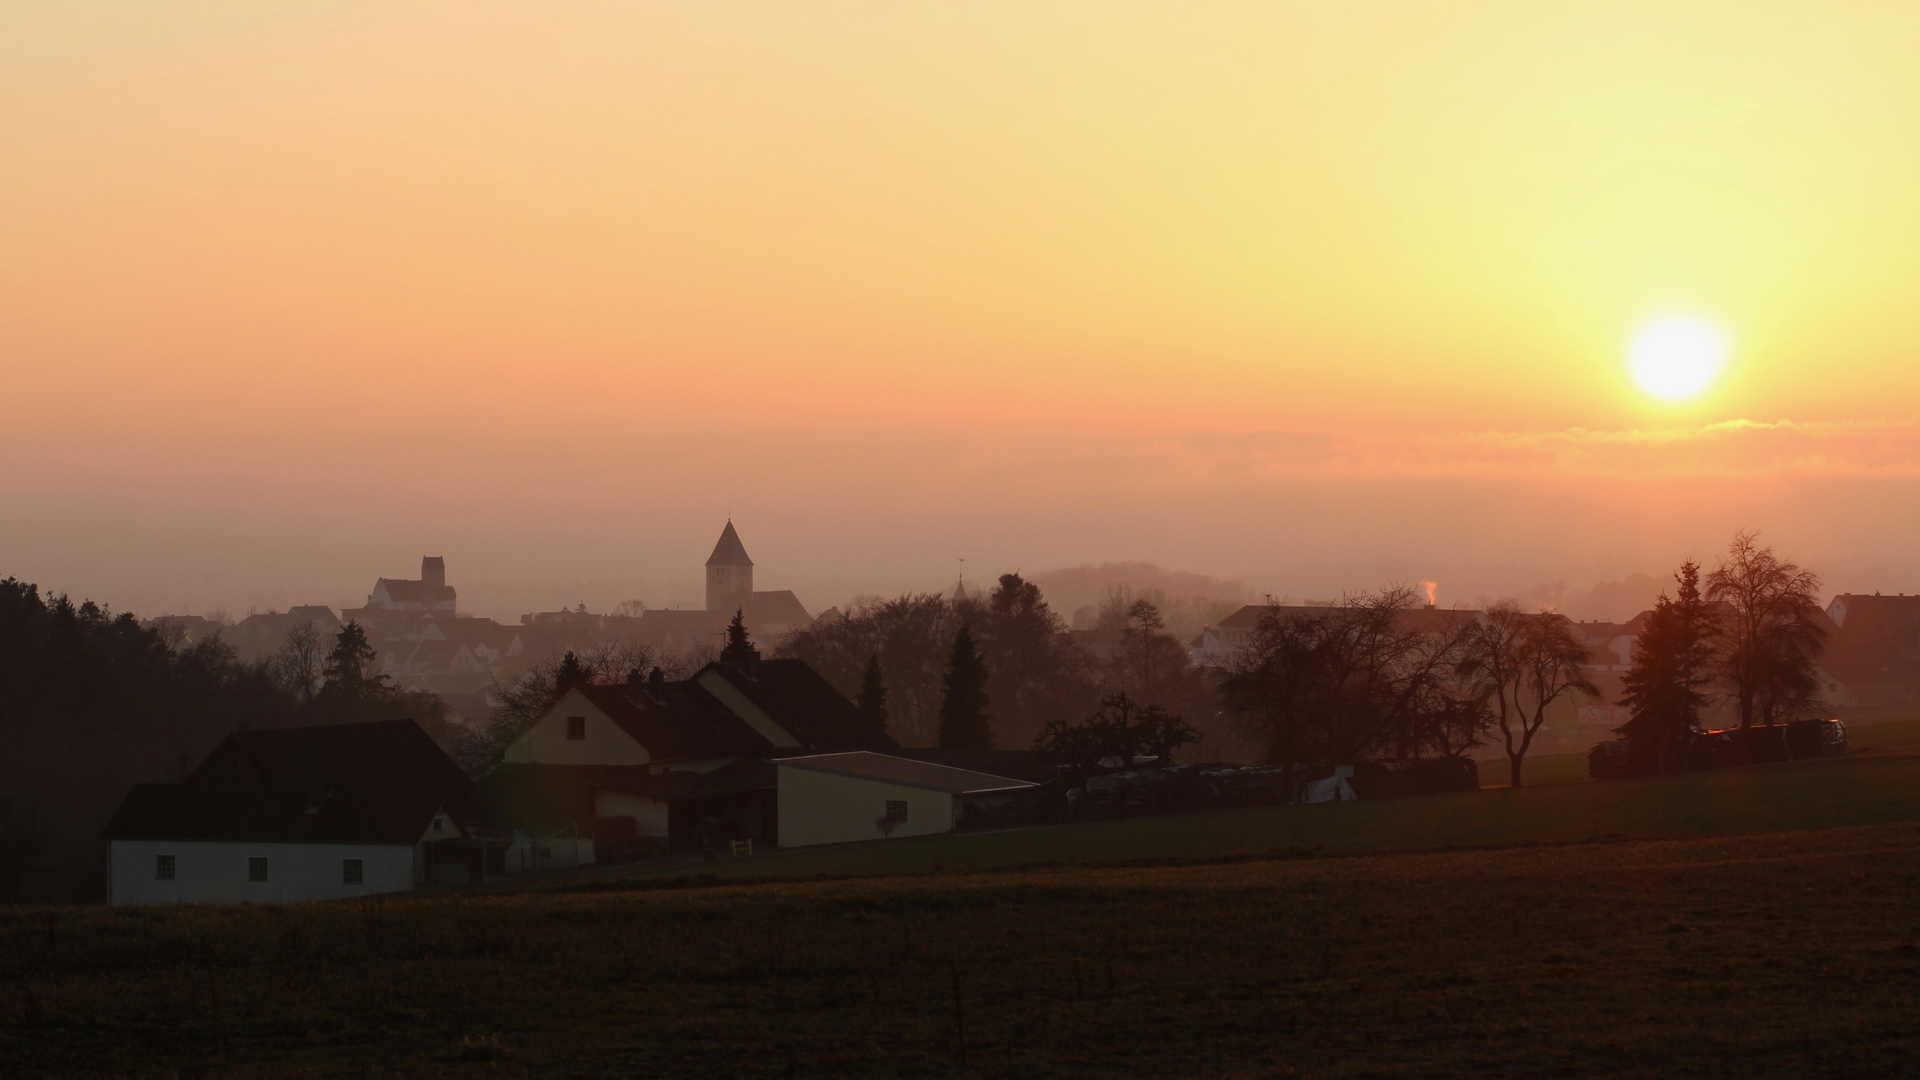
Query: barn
{"points": [[317, 813], [861, 795]]}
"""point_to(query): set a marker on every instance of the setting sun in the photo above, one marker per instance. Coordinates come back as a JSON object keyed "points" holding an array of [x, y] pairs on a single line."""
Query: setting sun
{"points": [[1676, 358]]}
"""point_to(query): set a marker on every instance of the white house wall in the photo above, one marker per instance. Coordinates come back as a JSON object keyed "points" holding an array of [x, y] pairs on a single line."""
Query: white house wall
{"points": [[215, 872], [826, 808], [650, 815], [546, 743]]}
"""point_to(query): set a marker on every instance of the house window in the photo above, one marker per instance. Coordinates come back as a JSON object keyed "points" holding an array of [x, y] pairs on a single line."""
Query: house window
{"points": [[256, 869], [576, 728], [350, 872], [163, 868], [897, 811]]}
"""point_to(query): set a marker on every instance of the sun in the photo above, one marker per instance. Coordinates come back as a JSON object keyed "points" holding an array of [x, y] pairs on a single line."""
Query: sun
{"points": [[1676, 357]]}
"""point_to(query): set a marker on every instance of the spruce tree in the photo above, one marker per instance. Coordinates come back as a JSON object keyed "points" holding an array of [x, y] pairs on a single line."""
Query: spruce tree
{"points": [[964, 722], [345, 678], [873, 694], [569, 674], [738, 649], [1672, 662]]}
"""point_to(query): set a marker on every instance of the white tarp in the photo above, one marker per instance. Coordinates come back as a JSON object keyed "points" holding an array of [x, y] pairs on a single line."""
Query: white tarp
{"points": [[1334, 788]]}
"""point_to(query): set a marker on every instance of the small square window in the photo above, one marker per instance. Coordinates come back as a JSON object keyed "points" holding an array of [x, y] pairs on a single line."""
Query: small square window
{"points": [[897, 811], [256, 869], [163, 867], [576, 728], [350, 872]]}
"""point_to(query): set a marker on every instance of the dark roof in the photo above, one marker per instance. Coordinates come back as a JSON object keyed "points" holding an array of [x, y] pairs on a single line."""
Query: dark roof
{"points": [[375, 760], [676, 720], [729, 551], [804, 703], [549, 796], [1033, 766], [1876, 640], [778, 607], [409, 591], [905, 772], [190, 812]]}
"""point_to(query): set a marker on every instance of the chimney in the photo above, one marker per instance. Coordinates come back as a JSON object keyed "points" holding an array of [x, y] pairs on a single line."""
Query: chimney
{"points": [[656, 678], [433, 571]]}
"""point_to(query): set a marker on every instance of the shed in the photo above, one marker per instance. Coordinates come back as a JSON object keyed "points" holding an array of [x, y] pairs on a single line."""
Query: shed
{"points": [[861, 795]]}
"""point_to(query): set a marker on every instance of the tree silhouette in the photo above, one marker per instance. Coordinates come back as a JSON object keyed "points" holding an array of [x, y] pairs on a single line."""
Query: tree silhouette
{"points": [[964, 722], [569, 674], [1672, 666], [1771, 634], [738, 649], [345, 678], [873, 694]]}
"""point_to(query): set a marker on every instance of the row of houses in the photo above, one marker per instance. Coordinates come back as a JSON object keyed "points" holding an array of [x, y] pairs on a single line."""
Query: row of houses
{"points": [[759, 752], [424, 642]]}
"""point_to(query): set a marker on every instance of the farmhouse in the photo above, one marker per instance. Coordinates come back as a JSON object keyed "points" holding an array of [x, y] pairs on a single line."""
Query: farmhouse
{"points": [[314, 813], [837, 798], [679, 763]]}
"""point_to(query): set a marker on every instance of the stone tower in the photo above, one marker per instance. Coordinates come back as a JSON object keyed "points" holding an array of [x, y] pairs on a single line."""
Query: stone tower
{"points": [[729, 575]]}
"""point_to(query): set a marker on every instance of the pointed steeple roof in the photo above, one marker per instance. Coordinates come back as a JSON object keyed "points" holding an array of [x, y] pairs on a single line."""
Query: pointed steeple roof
{"points": [[729, 551]]}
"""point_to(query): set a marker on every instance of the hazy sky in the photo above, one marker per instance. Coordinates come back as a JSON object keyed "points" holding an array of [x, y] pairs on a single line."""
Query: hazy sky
{"points": [[1305, 294]]}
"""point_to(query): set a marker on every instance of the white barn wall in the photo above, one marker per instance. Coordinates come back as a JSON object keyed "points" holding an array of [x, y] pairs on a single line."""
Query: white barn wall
{"points": [[215, 872], [827, 808], [649, 815]]}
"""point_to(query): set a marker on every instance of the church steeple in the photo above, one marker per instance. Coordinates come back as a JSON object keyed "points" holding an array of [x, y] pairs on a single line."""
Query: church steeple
{"points": [[729, 574]]}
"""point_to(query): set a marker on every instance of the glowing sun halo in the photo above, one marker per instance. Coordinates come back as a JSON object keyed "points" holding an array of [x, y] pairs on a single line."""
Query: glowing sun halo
{"points": [[1677, 357]]}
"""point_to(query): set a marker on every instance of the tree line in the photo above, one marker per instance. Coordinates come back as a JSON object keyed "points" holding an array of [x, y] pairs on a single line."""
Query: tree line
{"points": [[1377, 675], [92, 702], [996, 671]]}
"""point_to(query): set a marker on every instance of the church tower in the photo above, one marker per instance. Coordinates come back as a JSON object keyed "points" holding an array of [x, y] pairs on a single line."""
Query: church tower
{"points": [[729, 575]]}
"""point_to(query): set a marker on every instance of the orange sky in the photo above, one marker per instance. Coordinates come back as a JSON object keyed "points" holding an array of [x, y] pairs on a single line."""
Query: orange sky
{"points": [[292, 293]]}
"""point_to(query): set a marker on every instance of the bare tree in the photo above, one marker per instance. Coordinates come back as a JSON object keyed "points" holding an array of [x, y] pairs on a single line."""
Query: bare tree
{"points": [[1527, 662], [301, 662], [1771, 633], [1364, 677], [912, 634]]}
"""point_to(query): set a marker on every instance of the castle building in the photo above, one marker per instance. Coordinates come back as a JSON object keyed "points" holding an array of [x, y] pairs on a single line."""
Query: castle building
{"points": [[429, 593]]}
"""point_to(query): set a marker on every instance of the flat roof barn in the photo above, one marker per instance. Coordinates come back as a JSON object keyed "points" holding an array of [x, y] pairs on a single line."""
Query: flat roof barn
{"points": [[861, 795]]}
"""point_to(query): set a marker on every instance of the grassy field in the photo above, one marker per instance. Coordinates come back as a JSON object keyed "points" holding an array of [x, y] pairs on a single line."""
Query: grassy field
{"points": [[1872, 787], [1787, 955], [1758, 922]]}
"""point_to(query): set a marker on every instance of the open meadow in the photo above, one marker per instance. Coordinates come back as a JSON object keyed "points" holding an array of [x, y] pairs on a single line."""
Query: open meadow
{"points": [[1770, 950]]}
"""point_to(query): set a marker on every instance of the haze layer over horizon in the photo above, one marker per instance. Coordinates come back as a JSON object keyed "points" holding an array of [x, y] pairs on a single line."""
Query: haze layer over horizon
{"points": [[1301, 296]]}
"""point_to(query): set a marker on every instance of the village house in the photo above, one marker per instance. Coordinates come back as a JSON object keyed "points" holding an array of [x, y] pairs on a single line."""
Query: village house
{"points": [[314, 813], [681, 764]]}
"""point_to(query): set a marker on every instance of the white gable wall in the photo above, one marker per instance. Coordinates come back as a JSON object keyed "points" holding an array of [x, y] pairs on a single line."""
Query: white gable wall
{"points": [[827, 808], [546, 743], [215, 871]]}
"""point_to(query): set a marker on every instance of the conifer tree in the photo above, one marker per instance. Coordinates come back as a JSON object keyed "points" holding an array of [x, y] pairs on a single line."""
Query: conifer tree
{"points": [[1672, 666], [346, 675], [964, 721], [873, 694], [569, 674], [739, 649]]}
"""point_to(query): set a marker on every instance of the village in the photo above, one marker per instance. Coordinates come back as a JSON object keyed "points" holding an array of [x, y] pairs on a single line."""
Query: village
{"points": [[742, 754]]}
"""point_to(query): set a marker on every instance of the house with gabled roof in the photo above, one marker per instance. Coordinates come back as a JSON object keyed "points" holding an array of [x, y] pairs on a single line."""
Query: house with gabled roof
{"points": [[314, 813], [683, 761]]}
